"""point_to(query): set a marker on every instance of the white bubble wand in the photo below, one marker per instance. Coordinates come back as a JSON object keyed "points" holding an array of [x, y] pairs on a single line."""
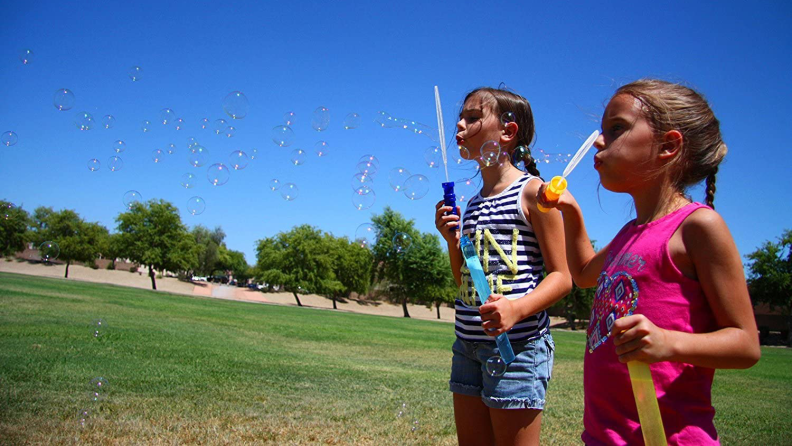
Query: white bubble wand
{"points": [[441, 130]]}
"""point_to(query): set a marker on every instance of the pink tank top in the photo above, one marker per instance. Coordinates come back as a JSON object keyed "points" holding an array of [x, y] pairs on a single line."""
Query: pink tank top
{"points": [[639, 277]]}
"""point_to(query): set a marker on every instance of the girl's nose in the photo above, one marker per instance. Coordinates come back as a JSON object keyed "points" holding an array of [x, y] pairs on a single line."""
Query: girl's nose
{"points": [[460, 125], [599, 143]]}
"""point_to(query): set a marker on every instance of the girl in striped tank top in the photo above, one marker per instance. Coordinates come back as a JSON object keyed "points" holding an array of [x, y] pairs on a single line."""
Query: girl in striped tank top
{"points": [[522, 253]]}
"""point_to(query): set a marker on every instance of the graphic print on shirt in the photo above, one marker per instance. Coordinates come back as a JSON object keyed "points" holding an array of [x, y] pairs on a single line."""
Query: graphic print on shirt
{"points": [[495, 260], [616, 297]]}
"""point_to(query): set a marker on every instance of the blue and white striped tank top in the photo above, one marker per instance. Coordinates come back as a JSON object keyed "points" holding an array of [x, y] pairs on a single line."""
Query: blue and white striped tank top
{"points": [[510, 255]]}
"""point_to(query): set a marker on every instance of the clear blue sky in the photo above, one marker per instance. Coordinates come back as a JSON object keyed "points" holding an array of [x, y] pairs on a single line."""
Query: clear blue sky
{"points": [[565, 57]]}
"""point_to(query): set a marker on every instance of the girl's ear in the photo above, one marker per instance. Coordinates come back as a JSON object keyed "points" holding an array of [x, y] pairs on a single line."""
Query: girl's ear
{"points": [[508, 133], [671, 145]]}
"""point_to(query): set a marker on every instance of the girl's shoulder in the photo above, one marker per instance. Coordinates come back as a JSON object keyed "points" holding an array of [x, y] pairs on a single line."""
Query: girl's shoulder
{"points": [[703, 227]]}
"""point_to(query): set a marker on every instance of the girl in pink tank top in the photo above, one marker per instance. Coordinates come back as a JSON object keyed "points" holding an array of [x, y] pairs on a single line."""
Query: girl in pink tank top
{"points": [[671, 290]]}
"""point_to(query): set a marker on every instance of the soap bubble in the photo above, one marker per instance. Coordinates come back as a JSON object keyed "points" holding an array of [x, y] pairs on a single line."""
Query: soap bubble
{"points": [[238, 160], [289, 191], [84, 417], [363, 198], [321, 148], [370, 159], [134, 73], [352, 121], [98, 327], [145, 126], [288, 118], [219, 126], [490, 152], [63, 99], [385, 120], [321, 119], [433, 156], [119, 146], [230, 131], [367, 167], [236, 105], [401, 242], [131, 197], [108, 121], [298, 157], [167, 116], [171, 149], [282, 135], [397, 176], [188, 181], [49, 251], [274, 185], [9, 138], [365, 235], [462, 155], [465, 189], [508, 117], [415, 426], [115, 163], [191, 142], [179, 123], [99, 384], [402, 411], [416, 187], [6, 210], [218, 174], [204, 123], [26, 56], [198, 155], [361, 179], [253, 154], [84, 120], [496, 366], [157, 155], [94, 164], [196, 205]]}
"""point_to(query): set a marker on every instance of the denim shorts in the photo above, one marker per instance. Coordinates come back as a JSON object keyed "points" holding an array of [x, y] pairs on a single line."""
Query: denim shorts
{"points": [[524, 384]]}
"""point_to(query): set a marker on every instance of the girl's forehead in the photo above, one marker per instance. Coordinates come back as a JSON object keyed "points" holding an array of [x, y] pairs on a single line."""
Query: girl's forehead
{"points": [[625, 106], [479, 101]]}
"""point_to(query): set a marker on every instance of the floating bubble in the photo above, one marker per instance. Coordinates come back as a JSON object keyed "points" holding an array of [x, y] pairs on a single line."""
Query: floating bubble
{"points": [[188, 181], [321, 148], [84, 120], [288, 118], [402, 411], [198, 155], [131, 197], [230, 131], [95, 396], [83, 417], [465, 189], [99, 384], [365, 234], [351, 121], [385, 120], [289, 191], [94, 164], [191, 142], [321, 119], [7, 209], [119, 146], [98, 327], [433, 156], [238, 160], [507, 118], [145, 126], [134, 73], [63, 99], [167, 116], [496, 366], [370, 159], [218, 174], [415, 426], [219, 126], [115, 163], [171, 149], [282, 135], [361, 179], [108, 121], [402, 242], [253, 154], [416, 187], [363, 198], [274, 184], [9, 138], [196, 205], [25, 56], [236, 105], [178, 123], [157, 155], [397, 176], [462, 155], [298, 157], [48, 251], [204, 123], [490, 153], [367, 167]]}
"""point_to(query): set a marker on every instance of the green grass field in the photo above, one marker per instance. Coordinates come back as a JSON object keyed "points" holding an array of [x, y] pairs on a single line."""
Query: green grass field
{"points": [[185, 369]]}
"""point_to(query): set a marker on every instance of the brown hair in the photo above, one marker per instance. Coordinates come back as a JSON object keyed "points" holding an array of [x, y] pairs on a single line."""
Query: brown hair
{"points": [[506, 101], [669, 106]]}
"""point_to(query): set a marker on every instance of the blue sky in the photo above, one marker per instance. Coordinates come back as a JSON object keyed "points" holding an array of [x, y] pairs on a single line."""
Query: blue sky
{"points": [[566, 58]]}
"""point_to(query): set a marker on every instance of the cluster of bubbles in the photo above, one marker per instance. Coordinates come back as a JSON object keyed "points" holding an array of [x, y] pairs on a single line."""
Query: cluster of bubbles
{"points": [[387, 121], [404, 412], [97, 387]]}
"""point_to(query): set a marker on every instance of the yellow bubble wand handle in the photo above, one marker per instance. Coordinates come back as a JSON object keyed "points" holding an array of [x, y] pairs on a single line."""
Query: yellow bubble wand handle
{"points": [[646, 401], [558, 184]]}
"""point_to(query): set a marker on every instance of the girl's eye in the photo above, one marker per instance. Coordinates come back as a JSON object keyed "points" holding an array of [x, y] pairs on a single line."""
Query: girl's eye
{"points": [[471, 119]]}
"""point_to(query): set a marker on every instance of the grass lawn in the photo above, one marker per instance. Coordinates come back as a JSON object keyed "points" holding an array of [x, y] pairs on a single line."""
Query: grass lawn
{"points": [[185, 369]]}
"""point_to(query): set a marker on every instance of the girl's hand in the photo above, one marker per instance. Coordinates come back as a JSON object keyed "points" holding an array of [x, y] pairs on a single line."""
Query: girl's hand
{"points": [[637, 339], [564, 201], [497, 315], [447, 223]]}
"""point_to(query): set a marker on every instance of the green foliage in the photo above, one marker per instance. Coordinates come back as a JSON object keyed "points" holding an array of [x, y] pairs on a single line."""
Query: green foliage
{"points": [[14, 222], [351, 264], [78, 240], [210, 255], [577, 304], [770, 276], [234, 261]]}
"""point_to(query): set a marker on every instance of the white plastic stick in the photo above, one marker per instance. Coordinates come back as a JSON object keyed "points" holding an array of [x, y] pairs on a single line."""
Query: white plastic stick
{"points": [[440, 129], [580, 153]]}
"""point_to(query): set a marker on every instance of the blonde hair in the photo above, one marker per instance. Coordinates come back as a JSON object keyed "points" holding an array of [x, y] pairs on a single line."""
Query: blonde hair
{"points": [[669, 106]]}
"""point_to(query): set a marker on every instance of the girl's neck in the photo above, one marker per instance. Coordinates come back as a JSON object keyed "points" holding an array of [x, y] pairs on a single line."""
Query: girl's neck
{"points": [[655, 203], [497, 178]]}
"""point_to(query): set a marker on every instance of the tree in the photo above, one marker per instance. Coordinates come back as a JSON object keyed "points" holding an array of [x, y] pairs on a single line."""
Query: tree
{"points": [[427, 273], [300, 260], [14, 222], [577, 304], [210, 255], [770, 276], [152, 234], [77, 240], [234, 261], [351, 265]]}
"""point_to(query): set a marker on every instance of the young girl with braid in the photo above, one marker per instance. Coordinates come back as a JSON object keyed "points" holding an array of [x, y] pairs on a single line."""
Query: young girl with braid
{"points": [[671, 290], [516, 244]]}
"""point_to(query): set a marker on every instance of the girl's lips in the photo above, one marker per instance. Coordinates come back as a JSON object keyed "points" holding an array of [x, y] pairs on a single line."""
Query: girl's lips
{"points": [[597, 162]]}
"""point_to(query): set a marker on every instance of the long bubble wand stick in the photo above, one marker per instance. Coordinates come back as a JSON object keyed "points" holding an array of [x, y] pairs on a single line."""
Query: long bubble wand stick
{"points": [[449, 197], [558, 184], [646, 402]]}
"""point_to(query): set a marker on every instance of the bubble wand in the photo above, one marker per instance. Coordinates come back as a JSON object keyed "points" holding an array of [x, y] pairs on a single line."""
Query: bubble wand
{"points": [[449, 197], [558, 184]]}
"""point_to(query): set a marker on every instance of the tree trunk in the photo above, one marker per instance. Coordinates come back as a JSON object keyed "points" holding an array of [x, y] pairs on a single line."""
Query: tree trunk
{"points": [[299, 304], [437, 305], [153, 279], [789, 329], [404, 307], [67, 269], [334, 302]]}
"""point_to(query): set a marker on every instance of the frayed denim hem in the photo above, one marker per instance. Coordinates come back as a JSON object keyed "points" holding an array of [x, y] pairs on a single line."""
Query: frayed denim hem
{"points": [[513, 403]]}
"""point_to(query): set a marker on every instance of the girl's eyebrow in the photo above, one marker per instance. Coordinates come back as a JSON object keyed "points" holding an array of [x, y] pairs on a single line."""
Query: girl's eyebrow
{"points": [[469, 110]]}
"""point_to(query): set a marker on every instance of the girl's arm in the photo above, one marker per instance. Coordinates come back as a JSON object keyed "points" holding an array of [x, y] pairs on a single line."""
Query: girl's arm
{"points": [[584, 265], [715, 262], [448, 226], [500, 314]]}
